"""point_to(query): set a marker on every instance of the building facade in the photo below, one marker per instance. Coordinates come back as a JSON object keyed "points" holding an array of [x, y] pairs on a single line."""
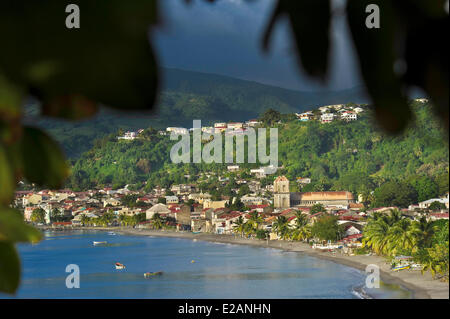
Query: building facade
{"points": [[282, 197]]}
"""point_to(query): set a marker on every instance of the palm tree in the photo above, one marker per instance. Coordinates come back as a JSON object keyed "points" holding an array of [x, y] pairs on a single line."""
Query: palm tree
{"points": [[157, 221], [436, 261], [301, 231], [239, 226], [84, 219], [376, 235], [402, 236], [254, 222], [281, 227], [426, 231], [122, 219], [395, 216]]}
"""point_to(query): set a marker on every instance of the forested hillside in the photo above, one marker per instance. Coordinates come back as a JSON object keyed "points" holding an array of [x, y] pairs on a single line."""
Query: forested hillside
{"points": [[352, 156], [185, 96]]}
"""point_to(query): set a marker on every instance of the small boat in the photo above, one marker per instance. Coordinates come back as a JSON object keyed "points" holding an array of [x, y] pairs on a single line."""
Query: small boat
{"points": [[119, 266], [111, 233], [152, 274], [99, 243], [398, 268]]}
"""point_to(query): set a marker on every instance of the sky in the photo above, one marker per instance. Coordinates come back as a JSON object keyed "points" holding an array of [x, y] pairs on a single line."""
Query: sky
{"points": [[225, 38]]}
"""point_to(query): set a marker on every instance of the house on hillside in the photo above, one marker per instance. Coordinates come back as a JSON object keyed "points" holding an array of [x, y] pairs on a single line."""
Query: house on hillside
{"points": [[327, 118], [233, 168], [178, 130], [306, 116], [427, 203], [128, 136], [349, 116], [253, 123], [235, 126], [171, 200]]}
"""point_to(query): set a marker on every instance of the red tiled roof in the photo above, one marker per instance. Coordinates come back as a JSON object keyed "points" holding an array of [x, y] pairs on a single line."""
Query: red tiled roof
{"points": [[355, 236], [442, 215], [258, 206]]}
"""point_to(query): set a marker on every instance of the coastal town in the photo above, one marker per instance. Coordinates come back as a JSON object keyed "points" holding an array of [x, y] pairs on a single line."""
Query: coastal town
{"points": [[254, 206], [184, 208]]}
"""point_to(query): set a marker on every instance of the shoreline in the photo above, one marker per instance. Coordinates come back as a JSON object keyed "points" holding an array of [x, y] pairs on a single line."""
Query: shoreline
{"points": [[421, 286]]}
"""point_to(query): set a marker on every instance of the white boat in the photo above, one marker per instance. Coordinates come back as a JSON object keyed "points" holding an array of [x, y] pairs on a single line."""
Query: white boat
{"points": [[99, 243], [119, 266], [111, 233]]}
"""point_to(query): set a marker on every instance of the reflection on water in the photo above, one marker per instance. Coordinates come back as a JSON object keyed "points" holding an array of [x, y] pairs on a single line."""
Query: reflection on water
{"points": [[219, 271]]}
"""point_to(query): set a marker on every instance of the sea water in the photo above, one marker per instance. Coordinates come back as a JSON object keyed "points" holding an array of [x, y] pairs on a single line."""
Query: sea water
{"points": [[190, 270]]}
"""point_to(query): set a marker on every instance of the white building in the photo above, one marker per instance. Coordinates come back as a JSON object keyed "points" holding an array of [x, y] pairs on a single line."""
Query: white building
{"points": [[303, 180], [235, 125], [427, 203], [306, 116], [349, 116], [327, 118], [177, 130], [233, 168], [128, 136], [253, 123], [171, 200]]}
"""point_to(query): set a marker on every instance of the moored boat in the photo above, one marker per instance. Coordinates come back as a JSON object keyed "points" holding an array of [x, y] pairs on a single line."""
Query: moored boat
{"points": [[119, 266], [99, 243], [152, 274], [401, 267]]}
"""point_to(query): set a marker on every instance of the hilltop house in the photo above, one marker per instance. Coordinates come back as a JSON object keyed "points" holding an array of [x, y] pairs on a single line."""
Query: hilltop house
{"points": [[128, 136], [306, 116], [220, 127], [178, 130], [427, 203], [235, 126], [253, 123], [233, 168], [349, 116], [327, 118]]}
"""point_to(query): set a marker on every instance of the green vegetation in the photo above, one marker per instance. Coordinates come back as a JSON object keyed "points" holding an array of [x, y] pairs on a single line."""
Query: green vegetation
{"points": [[186, 95], [327, 228], [426, 241], [336, 156], [38, 215]]}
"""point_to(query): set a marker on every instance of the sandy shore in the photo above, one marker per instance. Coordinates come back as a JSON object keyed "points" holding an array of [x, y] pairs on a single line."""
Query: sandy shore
{"points": [[422, 286]]}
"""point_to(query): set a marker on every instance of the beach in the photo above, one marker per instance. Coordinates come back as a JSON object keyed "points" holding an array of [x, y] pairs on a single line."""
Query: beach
{"points": [[422, 286]]}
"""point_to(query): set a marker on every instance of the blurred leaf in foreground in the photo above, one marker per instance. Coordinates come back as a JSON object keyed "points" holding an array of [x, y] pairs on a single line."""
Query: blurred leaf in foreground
{"points": [[43, 161], [14, 229], [108, 60], [9, 268]]}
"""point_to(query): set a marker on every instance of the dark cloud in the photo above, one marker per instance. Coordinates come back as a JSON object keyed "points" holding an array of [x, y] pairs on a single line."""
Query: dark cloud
{"points": [[225, 38]]}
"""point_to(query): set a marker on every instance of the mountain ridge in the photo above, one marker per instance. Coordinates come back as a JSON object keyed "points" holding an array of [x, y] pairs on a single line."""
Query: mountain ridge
{"points": [[185, 96]]}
